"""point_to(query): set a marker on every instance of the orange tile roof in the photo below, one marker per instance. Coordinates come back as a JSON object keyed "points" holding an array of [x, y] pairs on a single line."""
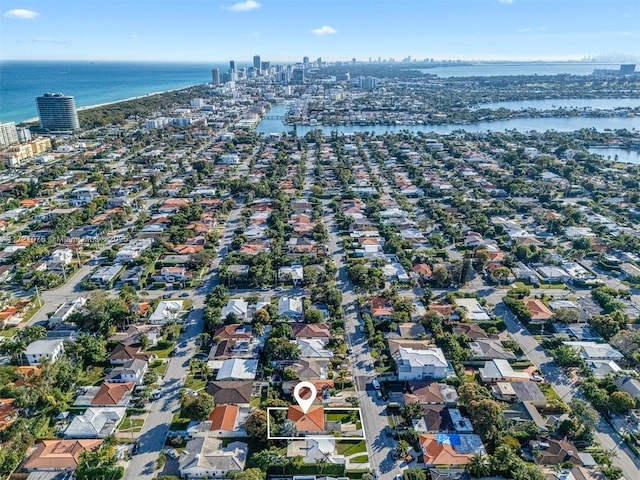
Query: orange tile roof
{"points": [[422, 269], [312, 421], [444, 310], [111, 393], [380, 307], [7, 412], [59, 454], [224, 417], [441, 453], [539, 311], [185, 249]]}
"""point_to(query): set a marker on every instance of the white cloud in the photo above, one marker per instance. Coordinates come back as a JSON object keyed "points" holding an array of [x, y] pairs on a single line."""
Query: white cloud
{"points": [[525, 30], [49, 40], [505, 1], [324, 30], [243, 6], [21, 13]]}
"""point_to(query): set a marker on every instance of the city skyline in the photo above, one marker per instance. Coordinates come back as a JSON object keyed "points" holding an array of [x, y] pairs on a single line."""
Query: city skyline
{"points": [[285, 31]]}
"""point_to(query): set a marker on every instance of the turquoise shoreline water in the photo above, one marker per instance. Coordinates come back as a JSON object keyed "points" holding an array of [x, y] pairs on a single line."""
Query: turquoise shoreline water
{"points": [[93, 83]]}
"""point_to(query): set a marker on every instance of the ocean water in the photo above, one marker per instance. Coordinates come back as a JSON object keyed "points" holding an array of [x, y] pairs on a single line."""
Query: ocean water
{"points": [[492, 69], [91, 83]]}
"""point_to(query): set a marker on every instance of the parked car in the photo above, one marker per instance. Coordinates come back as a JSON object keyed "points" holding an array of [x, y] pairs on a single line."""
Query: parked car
{"points": [[375, 383], [171, 452]]}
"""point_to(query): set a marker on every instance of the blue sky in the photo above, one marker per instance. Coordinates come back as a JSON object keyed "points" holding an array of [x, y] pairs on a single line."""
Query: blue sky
{"points": [[286, 30]]}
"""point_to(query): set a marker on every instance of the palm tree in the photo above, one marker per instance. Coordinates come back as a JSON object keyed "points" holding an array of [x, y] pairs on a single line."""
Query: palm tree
{"points": [[342, 375], [479, 465]]}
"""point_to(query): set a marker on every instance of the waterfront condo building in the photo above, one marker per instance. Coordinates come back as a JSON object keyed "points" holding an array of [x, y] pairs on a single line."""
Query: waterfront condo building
{"points": [[8, 134], [57, 112]]}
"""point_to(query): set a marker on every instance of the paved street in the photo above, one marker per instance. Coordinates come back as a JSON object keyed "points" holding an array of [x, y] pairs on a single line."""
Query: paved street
{"points": [[607, 438], [379, 446], [155, 429]]}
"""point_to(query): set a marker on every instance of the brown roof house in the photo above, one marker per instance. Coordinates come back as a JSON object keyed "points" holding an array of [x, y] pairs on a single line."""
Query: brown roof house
{"points": [[56, 455], [124, 352], [231, 392], [548, 451]]}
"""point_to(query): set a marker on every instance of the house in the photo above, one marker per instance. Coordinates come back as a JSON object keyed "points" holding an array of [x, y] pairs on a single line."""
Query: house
{"points": [[410, 330], [310, 330], [95, 423], [206, 457], [473, 309], [238, 369], [235, 332], [233, 392], [294, 273], [314, 450], [540, 313], [471, 330], [108, 395], [312, 421], [41, 350], [449, 450], [489, 348], [61, 256], [232, 348], [290, 307], [381, 308], [431, 393], [523, 391], [548, 451], [311, 368], [124, 352], [238, 307], [500, 371], [596, 351], [105, 276], [525, 412], [166, 311], [629, 385], [435, 419], [65, 310], [130, 371], [8, 413], [58, 455], [313, 348], [421, 364], [603, 368], [171, 275]]}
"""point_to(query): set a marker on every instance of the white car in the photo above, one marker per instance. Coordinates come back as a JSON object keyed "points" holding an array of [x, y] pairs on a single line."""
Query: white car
{"points": [[171, 452], [375, 383]]}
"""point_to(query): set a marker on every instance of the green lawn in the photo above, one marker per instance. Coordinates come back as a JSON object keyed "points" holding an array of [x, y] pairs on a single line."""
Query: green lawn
{"points": [[349, 448], [178, 422], [162, 352], [337, 417], [160, 367], [356, 474], [359, 459], [196, 384], [131, 425], [9, 332]]}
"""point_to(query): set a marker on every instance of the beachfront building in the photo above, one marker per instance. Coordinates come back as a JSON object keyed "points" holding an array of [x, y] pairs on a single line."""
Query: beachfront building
{"points": [[57, 112]]}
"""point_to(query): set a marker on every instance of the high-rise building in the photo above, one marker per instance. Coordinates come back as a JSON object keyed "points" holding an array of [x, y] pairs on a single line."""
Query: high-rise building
{"points": [[215, 76], [256, 62], [305, 60], [57, 112], [265, 66], [8, 134], [297, 76], [24, 135], [232, 65], [319, 62]]}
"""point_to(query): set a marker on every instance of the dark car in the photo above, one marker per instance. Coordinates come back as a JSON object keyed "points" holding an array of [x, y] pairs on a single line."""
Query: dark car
{"points": [[135, 448]]}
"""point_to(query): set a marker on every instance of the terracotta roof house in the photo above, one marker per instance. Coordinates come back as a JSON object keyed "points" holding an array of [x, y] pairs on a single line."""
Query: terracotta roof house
{"points": [[539, 311], [380, 307], [548, 451], [113, 394], [431, 393], [311, 330], [322, 387], [446, 310], [231, 392], [439, 449], [223, 418], [8, 413], [233, 331], [312, 421], [54, 455], [24, 375], [422, 269]]}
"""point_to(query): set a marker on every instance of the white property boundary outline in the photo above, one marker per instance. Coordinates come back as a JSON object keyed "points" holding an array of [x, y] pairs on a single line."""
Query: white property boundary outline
{"points": [[319, 437]]}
